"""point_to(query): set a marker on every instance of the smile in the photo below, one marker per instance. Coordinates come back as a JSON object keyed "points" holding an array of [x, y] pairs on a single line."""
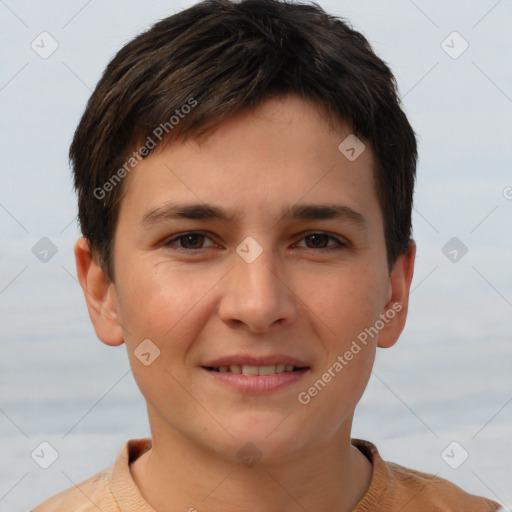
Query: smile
{"points": [[256, 380], [254, 370]]}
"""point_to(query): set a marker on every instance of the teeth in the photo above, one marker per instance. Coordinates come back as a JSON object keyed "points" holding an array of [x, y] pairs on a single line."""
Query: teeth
{"points": [[266, 370], [256, 370], [249, 370]]}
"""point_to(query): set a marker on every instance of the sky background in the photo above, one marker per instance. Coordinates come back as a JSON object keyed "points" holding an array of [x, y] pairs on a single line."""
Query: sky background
{"points": [[447, 379]]}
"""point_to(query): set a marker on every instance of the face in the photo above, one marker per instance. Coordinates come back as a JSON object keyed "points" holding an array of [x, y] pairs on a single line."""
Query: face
{"points": [[258, 250]]}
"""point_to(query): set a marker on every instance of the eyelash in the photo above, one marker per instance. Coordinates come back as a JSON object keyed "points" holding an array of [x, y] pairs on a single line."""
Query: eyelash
{"points": [[340, 242]]}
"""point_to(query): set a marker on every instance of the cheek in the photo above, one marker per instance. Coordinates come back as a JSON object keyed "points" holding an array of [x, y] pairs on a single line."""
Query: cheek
{"points": [[338, 387], [162, 302], [341, 305], [345, 302]]}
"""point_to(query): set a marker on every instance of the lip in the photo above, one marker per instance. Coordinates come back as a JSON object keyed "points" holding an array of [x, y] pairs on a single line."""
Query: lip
{"points": [[257, 384]]}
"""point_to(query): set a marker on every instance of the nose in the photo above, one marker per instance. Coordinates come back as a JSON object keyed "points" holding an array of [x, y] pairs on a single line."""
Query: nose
{"points": [[258, 295]]}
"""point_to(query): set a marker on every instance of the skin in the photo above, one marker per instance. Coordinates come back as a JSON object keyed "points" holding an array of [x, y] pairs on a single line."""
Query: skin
{"points": [[295, 299]]}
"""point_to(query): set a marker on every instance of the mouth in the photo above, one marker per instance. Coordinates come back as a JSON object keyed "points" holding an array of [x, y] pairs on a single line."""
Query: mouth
{"points": [[256, 375], [247, 369]]}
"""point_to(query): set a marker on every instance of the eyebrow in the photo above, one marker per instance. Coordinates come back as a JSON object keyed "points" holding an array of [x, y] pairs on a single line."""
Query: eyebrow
{"points": [[171, 211]]}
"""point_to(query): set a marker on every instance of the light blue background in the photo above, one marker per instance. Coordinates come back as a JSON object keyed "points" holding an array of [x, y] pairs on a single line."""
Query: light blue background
{"points": [[447, 379]]}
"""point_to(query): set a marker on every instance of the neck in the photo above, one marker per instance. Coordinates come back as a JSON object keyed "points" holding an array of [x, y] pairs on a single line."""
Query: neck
{"points": [[179, 475]]}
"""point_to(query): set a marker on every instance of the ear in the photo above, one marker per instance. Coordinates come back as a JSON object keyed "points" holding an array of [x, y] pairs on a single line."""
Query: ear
{"points": [[395, 310], [100, 295]]}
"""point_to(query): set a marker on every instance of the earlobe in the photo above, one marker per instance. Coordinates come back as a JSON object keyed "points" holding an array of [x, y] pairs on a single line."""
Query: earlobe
{"points": [[398, 297], [100, 295]]}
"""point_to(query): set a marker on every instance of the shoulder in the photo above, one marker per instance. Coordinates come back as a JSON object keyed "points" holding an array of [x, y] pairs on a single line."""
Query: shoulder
{"points": [[414, 489], [394, 487], [111, 490], [83, 497]]}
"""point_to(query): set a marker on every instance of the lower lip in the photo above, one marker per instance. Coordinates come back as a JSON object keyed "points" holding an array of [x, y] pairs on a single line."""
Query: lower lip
{"points": [[258, 384]]}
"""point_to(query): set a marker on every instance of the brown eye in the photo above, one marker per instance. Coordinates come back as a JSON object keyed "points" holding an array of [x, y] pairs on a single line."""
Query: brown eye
{"points": [[317, 240], [321, 241], [189, 242]]}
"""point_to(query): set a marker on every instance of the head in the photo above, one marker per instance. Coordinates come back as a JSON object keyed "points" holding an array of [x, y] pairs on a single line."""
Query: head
{"points": [[244, 109]]}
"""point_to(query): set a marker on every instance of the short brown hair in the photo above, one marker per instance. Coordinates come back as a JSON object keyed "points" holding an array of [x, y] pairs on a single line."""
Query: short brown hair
{"points": [[220, 57]]}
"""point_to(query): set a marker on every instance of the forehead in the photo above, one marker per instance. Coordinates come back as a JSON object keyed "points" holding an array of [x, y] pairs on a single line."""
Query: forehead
{"points": [[257, 164]]}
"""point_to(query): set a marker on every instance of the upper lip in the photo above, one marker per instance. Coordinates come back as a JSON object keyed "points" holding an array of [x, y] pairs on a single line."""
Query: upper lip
{"points": [[250, 360]]}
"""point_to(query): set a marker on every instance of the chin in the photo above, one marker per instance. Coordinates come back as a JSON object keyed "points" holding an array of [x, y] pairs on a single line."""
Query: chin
{"points": [[271, 439]]}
